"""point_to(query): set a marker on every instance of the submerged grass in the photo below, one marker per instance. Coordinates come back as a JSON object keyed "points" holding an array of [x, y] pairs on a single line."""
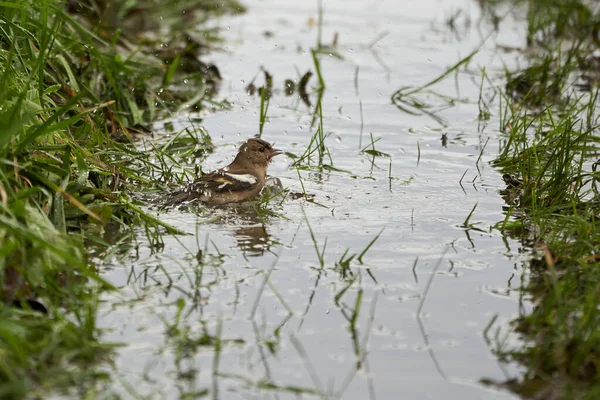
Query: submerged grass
{"points": [[73, 95], [407, 100]]}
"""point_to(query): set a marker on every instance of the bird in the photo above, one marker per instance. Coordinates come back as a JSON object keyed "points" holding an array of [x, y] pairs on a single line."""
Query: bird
{"points": [[240, 181]]}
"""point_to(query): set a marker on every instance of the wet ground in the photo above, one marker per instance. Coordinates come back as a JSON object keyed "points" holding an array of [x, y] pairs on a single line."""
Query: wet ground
{"points": [[256, 314]]}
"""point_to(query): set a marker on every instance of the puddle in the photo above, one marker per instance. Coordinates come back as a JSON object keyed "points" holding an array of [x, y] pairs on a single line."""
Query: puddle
{"points": [[312, 328]]}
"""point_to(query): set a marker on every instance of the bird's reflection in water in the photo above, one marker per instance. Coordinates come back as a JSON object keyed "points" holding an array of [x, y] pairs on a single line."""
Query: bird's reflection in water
{"points": [[253, 240]]}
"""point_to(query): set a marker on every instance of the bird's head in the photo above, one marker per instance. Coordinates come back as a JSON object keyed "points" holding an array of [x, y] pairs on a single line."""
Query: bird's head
{"points": [[256, 152]]}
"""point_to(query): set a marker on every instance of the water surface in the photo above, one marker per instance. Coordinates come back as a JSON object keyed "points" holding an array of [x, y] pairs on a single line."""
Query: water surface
{"points": [[305, 331]]}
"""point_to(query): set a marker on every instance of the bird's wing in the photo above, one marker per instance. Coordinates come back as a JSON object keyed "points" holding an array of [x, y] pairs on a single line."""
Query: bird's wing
{"points": [[223, 182], [215, 183]]}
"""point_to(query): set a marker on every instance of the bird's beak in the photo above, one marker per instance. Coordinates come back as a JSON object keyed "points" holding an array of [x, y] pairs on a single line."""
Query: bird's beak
{"points": [[275, 152]]}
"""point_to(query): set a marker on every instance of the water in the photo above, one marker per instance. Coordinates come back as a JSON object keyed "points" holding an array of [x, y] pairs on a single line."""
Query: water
{"points": [[300, 337]]}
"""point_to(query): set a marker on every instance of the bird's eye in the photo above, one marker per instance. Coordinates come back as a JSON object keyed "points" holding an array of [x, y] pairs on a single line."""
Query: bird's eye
{"points": [[262, 149]]}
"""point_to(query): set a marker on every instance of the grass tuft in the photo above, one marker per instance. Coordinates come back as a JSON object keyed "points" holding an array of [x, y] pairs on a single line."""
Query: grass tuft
{"points": [[75, 94], [549, 161]]}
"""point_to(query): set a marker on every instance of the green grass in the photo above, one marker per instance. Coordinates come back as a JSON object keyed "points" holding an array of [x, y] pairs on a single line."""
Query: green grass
{"points": [[550, 160], [317, 147], [74, 94], [557, 204], [551, 20]]}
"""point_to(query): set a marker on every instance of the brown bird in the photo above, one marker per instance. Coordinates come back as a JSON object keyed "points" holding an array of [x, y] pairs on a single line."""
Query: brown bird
{"points": [[240, 181]]}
